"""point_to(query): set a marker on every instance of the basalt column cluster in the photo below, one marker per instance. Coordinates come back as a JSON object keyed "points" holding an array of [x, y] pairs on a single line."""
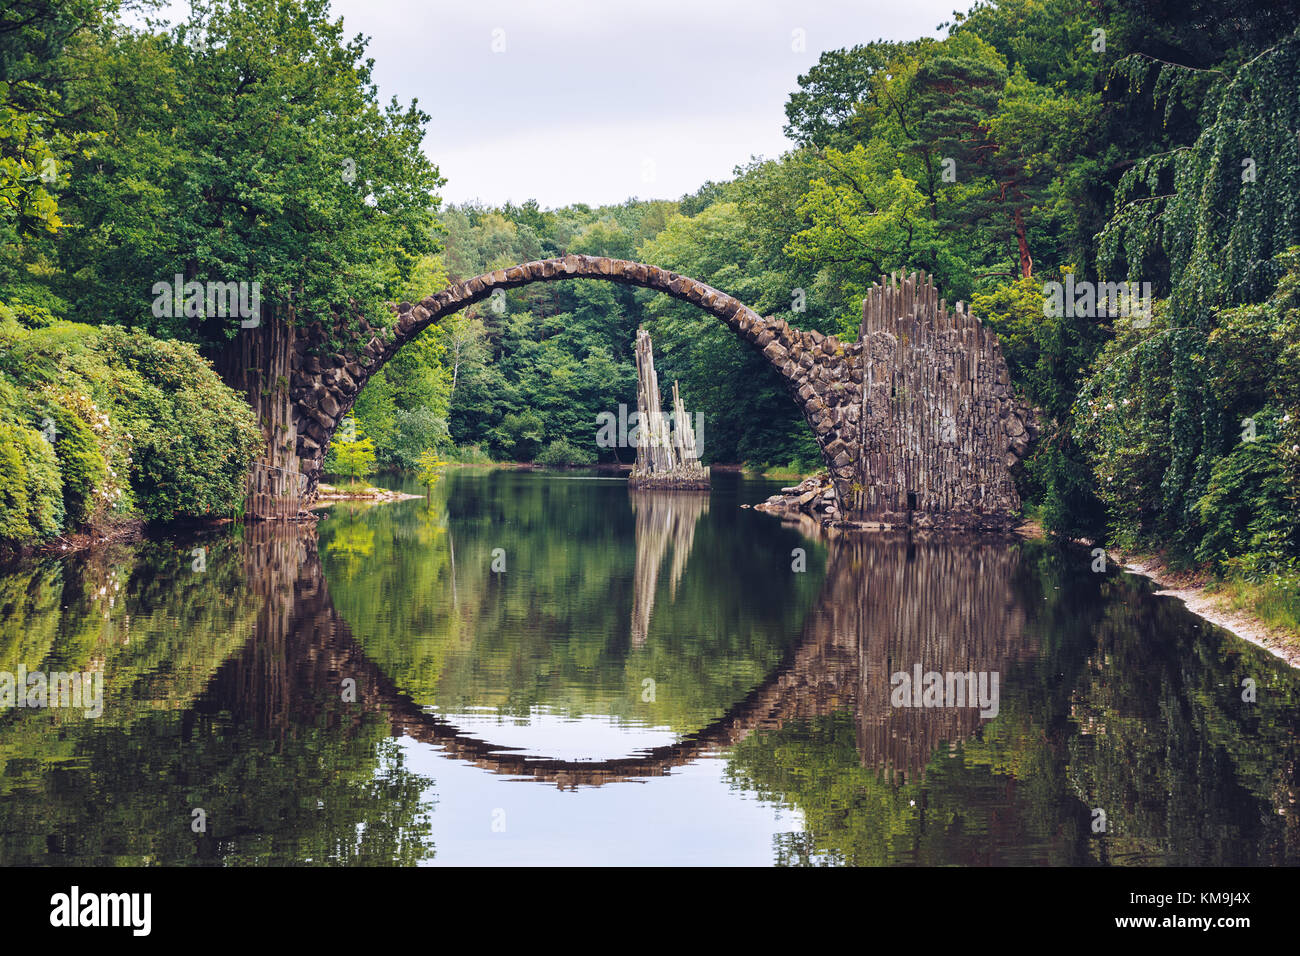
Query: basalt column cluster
{"points": [[941, 427], [666, 453]]}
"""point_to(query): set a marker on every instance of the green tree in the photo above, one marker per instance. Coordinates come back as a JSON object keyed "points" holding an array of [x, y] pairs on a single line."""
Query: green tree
{"points": [[429, 470], [255, 132], [353, 454]]}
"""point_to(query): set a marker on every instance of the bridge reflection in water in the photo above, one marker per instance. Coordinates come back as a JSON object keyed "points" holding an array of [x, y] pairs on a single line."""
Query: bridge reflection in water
{"points": [[287, 688], [886, 604]]}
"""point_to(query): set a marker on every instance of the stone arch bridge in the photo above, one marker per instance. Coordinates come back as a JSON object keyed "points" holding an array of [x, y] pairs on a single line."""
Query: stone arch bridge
{"points": [[916, 420]]}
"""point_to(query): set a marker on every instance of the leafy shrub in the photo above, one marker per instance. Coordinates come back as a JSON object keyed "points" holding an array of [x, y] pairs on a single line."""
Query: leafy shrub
{"points": [[560, 452], [191, 437], [1248, 367], [1046, 356], [141, 427], [33, 316], [416, 431], [1123, 421], [469, 455], [81, 458], [520, 434], [31, 492], [1247, 509]]}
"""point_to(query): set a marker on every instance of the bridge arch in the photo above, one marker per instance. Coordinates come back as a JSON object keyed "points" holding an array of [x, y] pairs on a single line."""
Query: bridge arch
{"points": [[325, 388], [917, 415]]}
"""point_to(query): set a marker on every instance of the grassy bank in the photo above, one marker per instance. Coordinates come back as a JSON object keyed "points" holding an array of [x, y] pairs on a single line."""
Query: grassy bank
{"points": [[793, 472], [1274, 602]]}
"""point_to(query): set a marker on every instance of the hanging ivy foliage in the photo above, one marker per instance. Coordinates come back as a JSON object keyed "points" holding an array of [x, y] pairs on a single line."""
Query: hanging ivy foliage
{"points": [[1220, 213]]}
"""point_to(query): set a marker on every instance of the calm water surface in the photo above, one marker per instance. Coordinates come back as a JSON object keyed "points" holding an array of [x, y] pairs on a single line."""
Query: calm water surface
{"points": [[537, 668]]}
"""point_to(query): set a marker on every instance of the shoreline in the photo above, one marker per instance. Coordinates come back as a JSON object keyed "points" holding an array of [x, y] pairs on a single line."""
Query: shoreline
{"points": [[92, 538], [1194, 591], [85, 539]]}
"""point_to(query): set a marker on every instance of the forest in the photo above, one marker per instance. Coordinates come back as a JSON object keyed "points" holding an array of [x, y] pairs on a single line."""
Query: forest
{"points": [[1038, 145]]}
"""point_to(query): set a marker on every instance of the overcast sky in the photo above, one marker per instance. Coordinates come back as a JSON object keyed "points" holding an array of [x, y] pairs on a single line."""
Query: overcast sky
{"points": [[597, 101]]}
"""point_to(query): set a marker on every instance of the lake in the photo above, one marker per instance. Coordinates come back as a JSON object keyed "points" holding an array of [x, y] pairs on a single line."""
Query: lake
{"points": [[545, 668]]}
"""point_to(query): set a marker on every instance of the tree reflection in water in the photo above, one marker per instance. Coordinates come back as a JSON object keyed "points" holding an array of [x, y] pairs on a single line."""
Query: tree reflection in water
{"points": [[229, 690]]}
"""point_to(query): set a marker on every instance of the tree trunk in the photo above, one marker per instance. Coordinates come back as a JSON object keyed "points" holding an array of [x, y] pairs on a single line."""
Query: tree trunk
{"points": [[1022, 243]]}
